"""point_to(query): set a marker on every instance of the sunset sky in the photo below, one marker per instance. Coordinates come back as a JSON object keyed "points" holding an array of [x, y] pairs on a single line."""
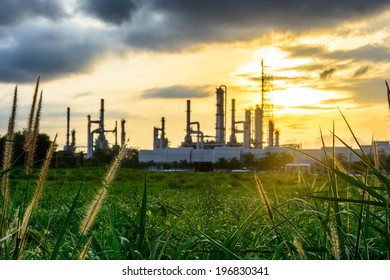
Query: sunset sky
{"points": [[147, 57]]}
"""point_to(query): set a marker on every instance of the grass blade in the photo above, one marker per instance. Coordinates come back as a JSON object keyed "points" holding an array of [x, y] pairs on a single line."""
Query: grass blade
{"points": [[65, 226]]}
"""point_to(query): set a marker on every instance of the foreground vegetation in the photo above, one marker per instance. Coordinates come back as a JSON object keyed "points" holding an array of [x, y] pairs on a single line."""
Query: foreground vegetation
{"points": [[113, 213], [152, 215]]}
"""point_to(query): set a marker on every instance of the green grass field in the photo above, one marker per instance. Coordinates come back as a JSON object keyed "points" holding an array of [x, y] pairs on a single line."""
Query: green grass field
{"points": [[217, 215]]}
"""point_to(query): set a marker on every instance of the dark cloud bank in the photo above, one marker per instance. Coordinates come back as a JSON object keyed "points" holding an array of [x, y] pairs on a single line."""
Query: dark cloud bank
{"points": [[34, 39]]}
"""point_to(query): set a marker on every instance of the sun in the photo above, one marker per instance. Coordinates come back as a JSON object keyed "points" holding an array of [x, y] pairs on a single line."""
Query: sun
{"points": [[300, 98]]}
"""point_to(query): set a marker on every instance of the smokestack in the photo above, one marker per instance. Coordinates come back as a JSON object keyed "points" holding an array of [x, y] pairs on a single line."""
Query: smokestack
{"points": [[67, 126], [271, 133], [258, 128], [123, 133], [116, 133], [73, 143], [220, 122], [247, 129], [233, 138], [277, 136], [187, 138], [101, 115], [90, 140]]}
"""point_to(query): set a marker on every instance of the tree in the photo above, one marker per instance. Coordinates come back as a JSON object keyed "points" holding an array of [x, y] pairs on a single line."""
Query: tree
{"points": [[43, 144], [274, 161]]}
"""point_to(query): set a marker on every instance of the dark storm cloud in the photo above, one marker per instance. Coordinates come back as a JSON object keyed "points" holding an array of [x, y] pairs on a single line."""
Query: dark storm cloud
{"points": [[174, 24], [44, 52], [16, 11], [374, 53], [111, 11], [177, 91], [61, 47], [326, 74]]}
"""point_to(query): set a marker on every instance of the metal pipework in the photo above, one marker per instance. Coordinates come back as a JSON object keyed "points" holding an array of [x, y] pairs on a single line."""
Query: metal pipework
{"points": [[247, 129], [277, 136], [162, 142], [221, 115], [67, 126], [123, 133], [258, 128], [187, 138], [233, 138], [271, 133], [101, 115], [199, 134], [162, 136], [73, 143]]}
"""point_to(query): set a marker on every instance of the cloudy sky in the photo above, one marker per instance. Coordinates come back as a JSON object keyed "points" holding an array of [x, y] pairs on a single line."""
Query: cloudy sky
{"points": [[147, 57]]}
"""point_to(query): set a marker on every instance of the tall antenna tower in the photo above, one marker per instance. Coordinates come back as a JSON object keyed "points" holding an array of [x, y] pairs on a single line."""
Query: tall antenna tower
{"points": [[267, 108]]}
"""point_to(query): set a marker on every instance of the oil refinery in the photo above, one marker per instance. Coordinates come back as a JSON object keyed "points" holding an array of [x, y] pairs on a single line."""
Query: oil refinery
{"points": [[255, 134]]}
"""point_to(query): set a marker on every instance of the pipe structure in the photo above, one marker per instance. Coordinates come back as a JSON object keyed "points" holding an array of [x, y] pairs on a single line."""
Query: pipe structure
{"points": [[258, 128], [199, 134], [277, 137], [116, 133], [155, 138], [271, 133], [123, 132], [247, 129], [162, 135], [233, 138], [187, 139], [67, 126], [221, 117], [90, 141], [161, 142], [73, 143]]}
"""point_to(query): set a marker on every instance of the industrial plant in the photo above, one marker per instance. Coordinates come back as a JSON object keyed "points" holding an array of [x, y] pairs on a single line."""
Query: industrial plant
{"points": [[255, 134], [101, 141], [259, 136]]}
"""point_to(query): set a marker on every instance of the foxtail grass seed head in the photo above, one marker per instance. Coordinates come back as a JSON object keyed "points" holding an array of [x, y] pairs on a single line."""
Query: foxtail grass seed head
{"points": [[97, 202], [37, 193], [264, 198], [7, 160], [334, 243], [31, 136], [92, 211], [299, 248], [84, 252]]}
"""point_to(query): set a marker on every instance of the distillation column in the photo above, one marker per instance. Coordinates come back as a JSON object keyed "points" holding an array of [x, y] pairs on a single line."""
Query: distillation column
{"points": [[258, 128], [221, 117], [271, 133], [123, 132], [247, 129], [233, 138]]}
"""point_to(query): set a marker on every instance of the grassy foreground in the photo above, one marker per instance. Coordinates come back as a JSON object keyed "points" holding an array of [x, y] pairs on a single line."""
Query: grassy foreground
{"points": [[197, 216]]}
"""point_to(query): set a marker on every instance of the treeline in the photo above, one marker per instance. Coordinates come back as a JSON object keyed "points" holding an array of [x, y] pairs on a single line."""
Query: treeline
{"points": [[43, 144]]}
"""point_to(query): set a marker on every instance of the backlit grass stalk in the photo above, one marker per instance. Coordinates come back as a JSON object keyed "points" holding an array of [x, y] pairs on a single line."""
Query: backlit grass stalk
{"points": [[299, 248], [36, 197], [99, 198], [85, 249], [7, 161], [264, 198], [335, 243], [32, 131]]}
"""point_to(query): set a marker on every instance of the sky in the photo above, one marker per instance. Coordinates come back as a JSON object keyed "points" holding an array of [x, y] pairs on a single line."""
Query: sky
{"points": [[146, 58]]}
